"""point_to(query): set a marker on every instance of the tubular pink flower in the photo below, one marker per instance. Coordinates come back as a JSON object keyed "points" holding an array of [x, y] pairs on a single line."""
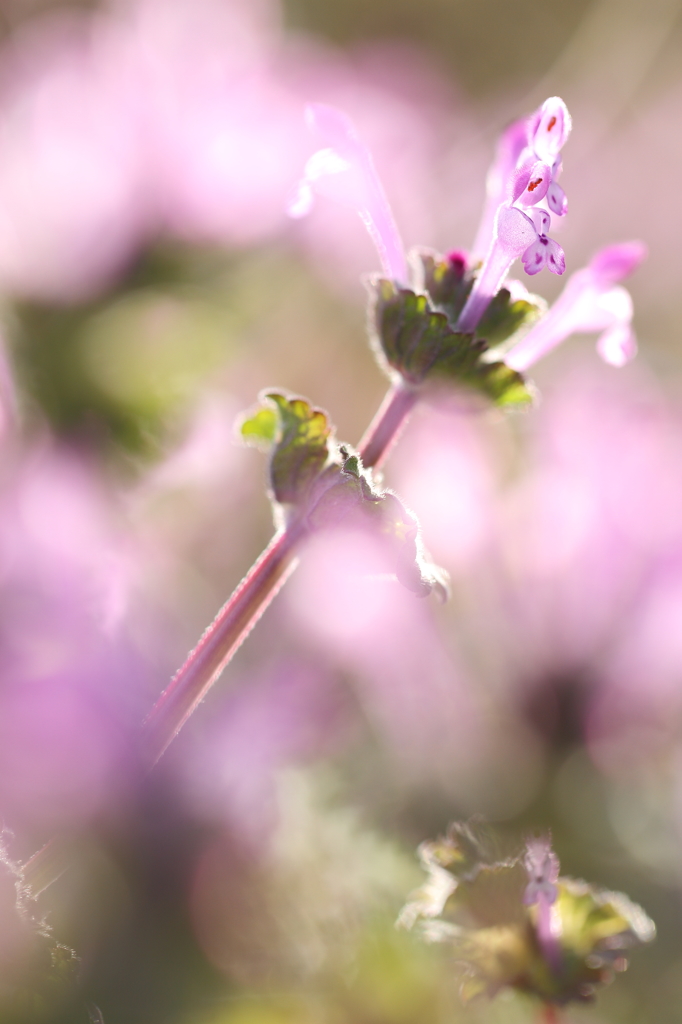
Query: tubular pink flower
{"points": [[344, 171], [512, 143], [591, 301], [524, 173], [516, 234]]}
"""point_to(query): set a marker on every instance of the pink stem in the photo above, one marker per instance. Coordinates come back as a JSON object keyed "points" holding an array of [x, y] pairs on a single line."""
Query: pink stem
{"points": [[486, 286], [224, 636], [238, 616], [387, 425]]}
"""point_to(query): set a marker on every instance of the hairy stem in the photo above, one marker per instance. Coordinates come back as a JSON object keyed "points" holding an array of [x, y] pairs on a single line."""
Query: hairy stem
{"points": [[387, 425], [224, 636], [242, 610]]}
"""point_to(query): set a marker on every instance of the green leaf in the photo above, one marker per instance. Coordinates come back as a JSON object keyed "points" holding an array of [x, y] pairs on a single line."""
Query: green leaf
{"points": [[446, 283], [298, 438], [260, 429], [327, 485], [503, 318], [421, 345]]}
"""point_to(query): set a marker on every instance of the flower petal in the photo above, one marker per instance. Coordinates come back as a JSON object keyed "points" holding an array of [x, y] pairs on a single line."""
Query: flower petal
{"points": [[556, 199], [535, 256], [617, 345], [615, 262], [301, 203], [556, 260], [552, 129], [542, 220], [535, 185], [515, 230]]}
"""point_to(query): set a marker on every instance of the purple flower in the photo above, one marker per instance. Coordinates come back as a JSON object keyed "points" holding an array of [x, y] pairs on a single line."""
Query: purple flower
{"points": [[512, 143], [544, 252], [518, 184], [344, 171], [591, 301], [516, 235]]}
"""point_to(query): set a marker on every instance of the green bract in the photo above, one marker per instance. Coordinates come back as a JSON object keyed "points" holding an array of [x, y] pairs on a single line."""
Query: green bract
{"points": [[474, 902], [415, 332], [320, 483]]}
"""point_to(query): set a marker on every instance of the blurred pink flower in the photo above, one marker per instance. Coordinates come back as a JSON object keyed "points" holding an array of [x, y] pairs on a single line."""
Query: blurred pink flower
{"points": [[590, 301], [285, 716], [71, 165], [347, 602], [345, 171], [72, 686]]}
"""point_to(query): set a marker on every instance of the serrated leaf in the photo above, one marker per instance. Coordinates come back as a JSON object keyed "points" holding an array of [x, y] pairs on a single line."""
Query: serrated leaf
{"points": [[327, 485], [302, 447], [260, 429], [420, 344], [503, 318], [298, 438]]}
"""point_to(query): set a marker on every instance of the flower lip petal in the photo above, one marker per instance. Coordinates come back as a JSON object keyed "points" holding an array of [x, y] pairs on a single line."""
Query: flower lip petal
{"points": [[535, 256], [617, 345], [551, 130], [515, 230], [556, 260]]}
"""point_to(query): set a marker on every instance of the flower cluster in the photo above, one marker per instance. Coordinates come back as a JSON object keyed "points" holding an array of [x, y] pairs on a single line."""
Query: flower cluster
{"points": [[530, 180], [523, 192]]}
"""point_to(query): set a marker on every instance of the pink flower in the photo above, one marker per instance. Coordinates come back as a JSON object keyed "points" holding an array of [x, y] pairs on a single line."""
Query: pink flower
{"points": [[531, 179], [344, 171], [591, 301]]}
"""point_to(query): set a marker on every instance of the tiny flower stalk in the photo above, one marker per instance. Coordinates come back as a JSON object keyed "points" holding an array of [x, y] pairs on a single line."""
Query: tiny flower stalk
{"points": [[229, 629], [542, 866]]}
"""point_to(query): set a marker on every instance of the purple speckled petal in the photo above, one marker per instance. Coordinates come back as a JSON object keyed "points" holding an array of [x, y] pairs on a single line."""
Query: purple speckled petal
{"points": [[556, 199], [556, 260], [535, 256]]}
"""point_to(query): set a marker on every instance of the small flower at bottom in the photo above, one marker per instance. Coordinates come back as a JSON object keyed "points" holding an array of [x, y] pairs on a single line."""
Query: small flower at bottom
{"points": [[514, 922]]}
